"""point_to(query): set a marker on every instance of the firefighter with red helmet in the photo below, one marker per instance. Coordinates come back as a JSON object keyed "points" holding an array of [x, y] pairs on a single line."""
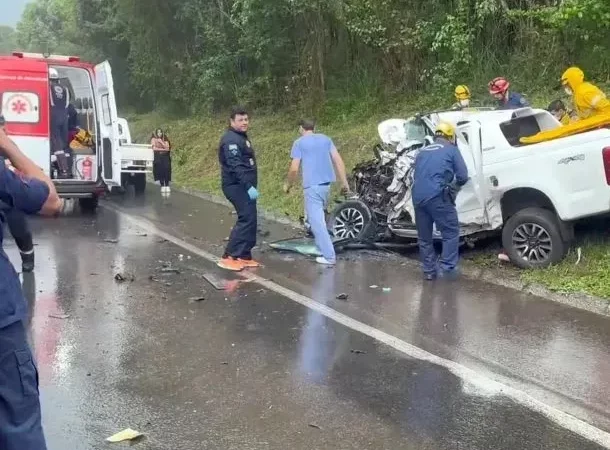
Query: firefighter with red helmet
{"points": [[499, 89]]}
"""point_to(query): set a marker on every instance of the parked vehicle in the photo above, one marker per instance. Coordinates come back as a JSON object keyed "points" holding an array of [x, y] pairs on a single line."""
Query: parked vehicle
{"points": [[25, 104], [136, 159], [531, 194]]}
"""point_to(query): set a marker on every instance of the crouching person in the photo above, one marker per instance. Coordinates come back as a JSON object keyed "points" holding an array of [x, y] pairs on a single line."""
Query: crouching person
{"points": [[439, 172], [30, 192], [317, 154]]}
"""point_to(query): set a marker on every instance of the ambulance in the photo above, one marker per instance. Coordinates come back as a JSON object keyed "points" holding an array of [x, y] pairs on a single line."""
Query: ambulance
{"points": [[106, 159]]}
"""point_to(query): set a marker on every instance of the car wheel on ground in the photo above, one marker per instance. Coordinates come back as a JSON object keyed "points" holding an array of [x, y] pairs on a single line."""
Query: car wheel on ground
{"points": [[88, 205], [352, 220], [139, 183], [532, 238]]}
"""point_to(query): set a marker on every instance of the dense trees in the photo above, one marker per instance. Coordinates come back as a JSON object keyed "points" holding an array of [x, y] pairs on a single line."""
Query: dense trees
{"points": [[205, 54]]}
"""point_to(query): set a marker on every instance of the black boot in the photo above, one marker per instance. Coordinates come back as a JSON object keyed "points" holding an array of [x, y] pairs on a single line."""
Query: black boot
{"points": [[27, 262]]}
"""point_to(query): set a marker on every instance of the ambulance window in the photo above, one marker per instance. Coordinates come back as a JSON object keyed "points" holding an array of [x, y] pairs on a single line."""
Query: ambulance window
{"points": [[20, 107], [106, 109]]}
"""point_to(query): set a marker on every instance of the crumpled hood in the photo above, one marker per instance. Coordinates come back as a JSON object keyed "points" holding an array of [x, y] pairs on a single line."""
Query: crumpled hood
{"points": [[573, 77]]}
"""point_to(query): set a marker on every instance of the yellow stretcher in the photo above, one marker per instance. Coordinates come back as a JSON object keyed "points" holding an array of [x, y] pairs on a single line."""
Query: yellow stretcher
{"points": [[580, 126]]}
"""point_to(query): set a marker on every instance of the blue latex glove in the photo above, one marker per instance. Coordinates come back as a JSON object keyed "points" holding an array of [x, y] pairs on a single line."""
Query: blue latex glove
{"points": [[252, 193]]}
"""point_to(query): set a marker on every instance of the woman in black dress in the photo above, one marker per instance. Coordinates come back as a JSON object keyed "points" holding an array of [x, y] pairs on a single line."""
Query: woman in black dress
{"points": [[162, 166]]}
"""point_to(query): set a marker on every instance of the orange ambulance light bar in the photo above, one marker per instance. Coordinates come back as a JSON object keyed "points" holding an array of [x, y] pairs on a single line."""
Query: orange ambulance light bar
{"points": [[42, 56]]}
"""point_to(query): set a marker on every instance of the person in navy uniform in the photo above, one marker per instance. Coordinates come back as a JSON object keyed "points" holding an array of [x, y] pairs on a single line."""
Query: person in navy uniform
{"points": [[439, 173], [498, 89], [18, 226], [29, 190], [239, 184], [60, 102]]}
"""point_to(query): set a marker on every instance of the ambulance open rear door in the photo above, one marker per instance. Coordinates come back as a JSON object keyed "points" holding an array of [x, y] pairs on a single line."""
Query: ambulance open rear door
{"points": [[109, 152]]}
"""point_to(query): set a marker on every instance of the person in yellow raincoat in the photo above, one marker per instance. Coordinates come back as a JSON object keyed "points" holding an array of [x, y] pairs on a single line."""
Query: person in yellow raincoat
{"points": [[587, 98]]}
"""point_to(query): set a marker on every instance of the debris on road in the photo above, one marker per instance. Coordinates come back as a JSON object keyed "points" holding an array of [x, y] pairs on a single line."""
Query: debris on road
{"points": [[197, 299], [126, 435], [120, 278], [358, 352], [373, 286], [59, 316], [169, 269], [387, 289], [313, 425], [111, 241], [217, 282], [342, 296]]}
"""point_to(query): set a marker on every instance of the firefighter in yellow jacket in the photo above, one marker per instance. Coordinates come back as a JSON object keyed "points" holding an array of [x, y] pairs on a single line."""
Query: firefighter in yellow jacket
{"points": [[587, 98]]}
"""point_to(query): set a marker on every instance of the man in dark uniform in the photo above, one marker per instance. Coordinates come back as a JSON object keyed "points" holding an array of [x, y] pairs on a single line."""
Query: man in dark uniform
{"points": [[60, 100], [439, 172], [18, 226], [239, 181], [20, 418]]}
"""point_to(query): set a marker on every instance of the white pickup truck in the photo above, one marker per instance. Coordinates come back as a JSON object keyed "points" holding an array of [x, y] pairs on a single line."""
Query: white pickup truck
{"points": [[532, 193], [136, 159]]}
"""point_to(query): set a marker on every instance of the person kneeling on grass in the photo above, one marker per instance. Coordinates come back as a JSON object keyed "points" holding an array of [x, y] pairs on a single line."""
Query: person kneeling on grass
{"points": [[318, 153]]}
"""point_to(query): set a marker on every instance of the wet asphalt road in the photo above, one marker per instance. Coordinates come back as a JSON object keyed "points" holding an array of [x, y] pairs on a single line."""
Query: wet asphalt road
{"points": [[248, 368]]}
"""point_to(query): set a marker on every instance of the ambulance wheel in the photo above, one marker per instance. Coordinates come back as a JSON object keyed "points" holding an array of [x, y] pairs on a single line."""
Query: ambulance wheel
{"points": [[139, 183], [88, 205]]}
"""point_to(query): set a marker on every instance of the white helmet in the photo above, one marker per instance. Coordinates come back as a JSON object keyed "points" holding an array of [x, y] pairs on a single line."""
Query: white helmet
{"points": [[53, 74]]}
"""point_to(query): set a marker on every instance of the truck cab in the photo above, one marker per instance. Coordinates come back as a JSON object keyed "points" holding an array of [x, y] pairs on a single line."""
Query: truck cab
{"points": [[25, 99]]}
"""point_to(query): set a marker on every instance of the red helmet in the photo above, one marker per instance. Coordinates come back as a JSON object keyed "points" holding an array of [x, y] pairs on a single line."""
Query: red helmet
{"points": [[498, 86]]}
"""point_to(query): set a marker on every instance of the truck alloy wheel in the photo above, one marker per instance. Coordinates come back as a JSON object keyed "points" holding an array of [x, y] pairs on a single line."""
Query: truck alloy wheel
{"points": [[351, 220], [532, 238]]}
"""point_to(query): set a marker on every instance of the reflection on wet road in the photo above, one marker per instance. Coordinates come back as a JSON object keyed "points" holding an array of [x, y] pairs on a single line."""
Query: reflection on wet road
{"points": [[251, 369]]}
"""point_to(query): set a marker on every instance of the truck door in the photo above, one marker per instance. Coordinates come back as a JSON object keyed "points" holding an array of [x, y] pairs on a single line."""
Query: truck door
{"points": [[475, 206], [109, 154]]}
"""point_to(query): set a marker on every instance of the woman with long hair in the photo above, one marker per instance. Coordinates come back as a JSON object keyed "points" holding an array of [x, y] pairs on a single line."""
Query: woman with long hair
{"points": [[162, 165]]}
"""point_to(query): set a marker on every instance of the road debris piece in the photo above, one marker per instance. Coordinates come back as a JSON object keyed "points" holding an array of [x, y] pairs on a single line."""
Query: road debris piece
{"points": [[169, 269], [387, 289], [59, 316], [126, 435], [196, 299], [111, 241], [342, 296], [313, 425], [217, 282], [373, 286], [120, 278], [358, 352]]}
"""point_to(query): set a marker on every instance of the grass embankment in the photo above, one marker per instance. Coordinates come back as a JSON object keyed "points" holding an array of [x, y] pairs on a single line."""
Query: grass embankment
{"points": [[195, 165]]}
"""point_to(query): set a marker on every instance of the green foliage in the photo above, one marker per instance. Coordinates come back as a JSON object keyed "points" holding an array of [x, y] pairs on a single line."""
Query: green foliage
{"points": [[190, 56], [8, 40]]}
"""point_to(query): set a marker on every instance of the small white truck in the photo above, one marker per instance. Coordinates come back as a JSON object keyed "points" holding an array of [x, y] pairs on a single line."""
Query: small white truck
{"points": [[532, 194], [136, 159]]}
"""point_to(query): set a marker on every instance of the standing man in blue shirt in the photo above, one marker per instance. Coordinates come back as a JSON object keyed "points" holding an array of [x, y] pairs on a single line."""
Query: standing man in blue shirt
{"points": [[30, 191], [439, 173], [498, 89], [318, 154]]}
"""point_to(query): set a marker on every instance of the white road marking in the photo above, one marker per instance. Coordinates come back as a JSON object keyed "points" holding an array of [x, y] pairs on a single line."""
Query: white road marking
{"points": [[482, 382]]}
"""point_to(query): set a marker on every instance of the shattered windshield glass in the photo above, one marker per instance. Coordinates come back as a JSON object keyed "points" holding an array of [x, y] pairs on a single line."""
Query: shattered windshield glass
{"points": [[415, 130]]}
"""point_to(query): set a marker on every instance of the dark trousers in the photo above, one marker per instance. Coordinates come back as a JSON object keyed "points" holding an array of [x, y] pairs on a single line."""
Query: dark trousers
{"points": [[442, 212], [18, 226], [243, 235], [59, 134], [20, 416]]}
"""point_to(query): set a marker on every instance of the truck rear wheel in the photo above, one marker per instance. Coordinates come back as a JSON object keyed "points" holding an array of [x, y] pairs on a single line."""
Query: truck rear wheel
{"points": [[88, 205], [139, 183], [532, 239]]}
